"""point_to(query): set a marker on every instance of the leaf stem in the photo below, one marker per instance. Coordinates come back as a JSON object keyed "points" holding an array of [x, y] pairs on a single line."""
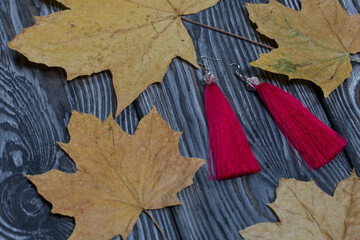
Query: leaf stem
{"points": [[156, 223], [356, 59], [227, 33]]}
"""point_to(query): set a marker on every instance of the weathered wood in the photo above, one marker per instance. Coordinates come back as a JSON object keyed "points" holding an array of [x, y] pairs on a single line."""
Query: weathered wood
{"points": [[212, 209], [35, 107], [36, 104]]}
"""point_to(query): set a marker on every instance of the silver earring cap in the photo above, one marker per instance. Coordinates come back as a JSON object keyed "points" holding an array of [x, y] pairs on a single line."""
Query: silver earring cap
{"points": [[249, 82], [209, 78]]}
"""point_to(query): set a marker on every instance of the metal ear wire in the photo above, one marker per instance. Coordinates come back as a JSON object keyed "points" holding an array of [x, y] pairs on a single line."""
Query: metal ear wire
{"points": [[210, 58], [227, 69], [250, 82], [203, 65]]}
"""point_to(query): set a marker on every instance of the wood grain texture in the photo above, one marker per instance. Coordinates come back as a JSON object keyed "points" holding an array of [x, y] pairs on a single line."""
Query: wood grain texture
{"points": [[36, 103], [35, 107], [214, 210]]}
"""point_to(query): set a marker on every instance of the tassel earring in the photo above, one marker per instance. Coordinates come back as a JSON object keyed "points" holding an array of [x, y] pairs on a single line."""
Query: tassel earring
{"points": [[317, 143], [228, 145]]}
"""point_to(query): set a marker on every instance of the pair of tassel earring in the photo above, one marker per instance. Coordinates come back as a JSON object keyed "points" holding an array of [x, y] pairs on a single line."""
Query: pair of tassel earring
{"points": [[230, 152]]}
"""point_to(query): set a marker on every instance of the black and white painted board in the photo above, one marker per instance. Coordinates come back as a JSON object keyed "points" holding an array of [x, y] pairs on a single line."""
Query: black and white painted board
{"points": [[36, 104]]}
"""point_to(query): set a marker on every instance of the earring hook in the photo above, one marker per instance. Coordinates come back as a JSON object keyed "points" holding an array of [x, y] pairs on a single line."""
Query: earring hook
{"points": [[228, 67], [249, 82], [203, 65], [215, 59]]}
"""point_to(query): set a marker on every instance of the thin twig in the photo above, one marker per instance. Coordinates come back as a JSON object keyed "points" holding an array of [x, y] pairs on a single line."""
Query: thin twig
{"points": [[227, 33], [356, 59], [156, 223]]}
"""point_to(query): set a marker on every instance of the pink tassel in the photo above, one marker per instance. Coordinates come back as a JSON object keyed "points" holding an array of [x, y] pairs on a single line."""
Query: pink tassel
{"points": [[229, 147], [317, 143]]}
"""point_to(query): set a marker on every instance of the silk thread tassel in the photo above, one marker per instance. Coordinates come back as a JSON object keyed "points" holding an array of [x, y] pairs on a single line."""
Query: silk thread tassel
{"points": [[317, 143], [229, 147]]}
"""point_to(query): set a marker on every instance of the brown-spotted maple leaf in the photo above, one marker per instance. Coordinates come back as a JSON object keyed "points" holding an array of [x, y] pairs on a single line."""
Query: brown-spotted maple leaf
{"points": [[118, 175], [135, 40], [315, 43], [306, 212]]}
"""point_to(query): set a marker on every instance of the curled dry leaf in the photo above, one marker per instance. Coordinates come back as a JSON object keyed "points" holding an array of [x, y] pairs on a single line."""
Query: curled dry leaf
{"points": [[135, 40], [305, 212], [118, 175], [314, 44]]}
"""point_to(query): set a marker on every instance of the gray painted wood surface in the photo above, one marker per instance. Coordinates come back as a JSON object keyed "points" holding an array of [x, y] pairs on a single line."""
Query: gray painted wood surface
{"points": [[36, 104]]}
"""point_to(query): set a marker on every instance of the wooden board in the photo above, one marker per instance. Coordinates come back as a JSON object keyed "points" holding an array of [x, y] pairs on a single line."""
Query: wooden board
{"points": [[36, 104]]}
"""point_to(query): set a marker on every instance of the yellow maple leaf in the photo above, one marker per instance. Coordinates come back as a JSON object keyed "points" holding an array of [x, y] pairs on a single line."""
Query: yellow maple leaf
{"points": [[305, 212], [135, 40], [314, 44], [118, 175]]}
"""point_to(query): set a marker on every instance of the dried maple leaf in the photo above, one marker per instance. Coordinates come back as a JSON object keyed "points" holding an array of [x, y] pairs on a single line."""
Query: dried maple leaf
{"points": [[118, 175], [305, 212], [314, 43], [135, 40]]}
